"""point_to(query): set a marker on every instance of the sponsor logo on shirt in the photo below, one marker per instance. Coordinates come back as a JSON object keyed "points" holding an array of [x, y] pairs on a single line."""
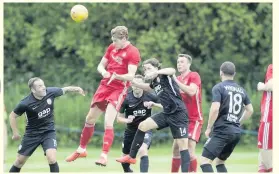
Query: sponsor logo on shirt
{"points": [[43, 113], [49, 101]]}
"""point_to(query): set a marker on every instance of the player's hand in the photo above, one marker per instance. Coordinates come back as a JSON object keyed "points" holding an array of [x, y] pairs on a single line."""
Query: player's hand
{"points": [[112, 77], [174, 77], [16, 137], [148, 104], [261, 86], [80, 91], [130, 118], [106, 74], [151, 75], [207, 132]]}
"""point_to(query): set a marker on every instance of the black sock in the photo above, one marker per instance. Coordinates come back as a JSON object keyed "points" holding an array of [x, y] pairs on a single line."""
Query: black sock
{"points": [[206, 168], [221, 168], [138, 140], [14, 169], [185, 160], [54, 167], [126, 167], [144, 164]]}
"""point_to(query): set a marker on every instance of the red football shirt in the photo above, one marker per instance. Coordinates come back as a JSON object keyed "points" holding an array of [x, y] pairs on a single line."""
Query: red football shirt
{"points": [[193, 104], [266, 103], [118, 61]]}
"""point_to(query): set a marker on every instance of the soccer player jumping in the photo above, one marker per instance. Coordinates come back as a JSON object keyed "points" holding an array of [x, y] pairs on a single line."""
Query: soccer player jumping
{"points": [[118, 66]]}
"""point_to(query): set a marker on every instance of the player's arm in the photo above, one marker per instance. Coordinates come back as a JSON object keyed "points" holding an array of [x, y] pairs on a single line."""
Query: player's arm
{"points": [[166, 71], [191, 89], [150, 104], [13, 125], [73, 89], [102, 68], [132, 69], [121, 118], [213, 114], [268, 86], [144, 86], [247, 113]]}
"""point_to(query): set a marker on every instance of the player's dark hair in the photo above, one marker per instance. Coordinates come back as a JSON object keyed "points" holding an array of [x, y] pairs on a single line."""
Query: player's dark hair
{"points": [[228, 68], [32, 81], [186, 56], [138, 76], [153, 61]]}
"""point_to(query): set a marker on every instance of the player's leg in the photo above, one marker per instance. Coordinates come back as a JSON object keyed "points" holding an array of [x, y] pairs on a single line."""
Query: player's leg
{"points": [[143, 152], [115, 99], [86, 134], [153, 122], [265, 146], [126, 146], [220, 166], [179, 128], [49, 145], [175, 165], [25, 150], [195, 128], [266, 159]]}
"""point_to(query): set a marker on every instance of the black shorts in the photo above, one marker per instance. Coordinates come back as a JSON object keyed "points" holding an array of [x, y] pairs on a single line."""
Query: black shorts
{"points": [[178, 123], [220, 145], [30, 143], [129, 137]]}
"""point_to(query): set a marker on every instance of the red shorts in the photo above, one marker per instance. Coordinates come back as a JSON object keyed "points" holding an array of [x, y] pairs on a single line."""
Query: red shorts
{"points": [[107, 94], [194, 130], [265, 136]]}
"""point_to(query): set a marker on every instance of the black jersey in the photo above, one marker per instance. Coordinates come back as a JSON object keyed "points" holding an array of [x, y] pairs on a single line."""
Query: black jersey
{"points": [[39, 113], [168, 92], [232, 98], [134, 106]]}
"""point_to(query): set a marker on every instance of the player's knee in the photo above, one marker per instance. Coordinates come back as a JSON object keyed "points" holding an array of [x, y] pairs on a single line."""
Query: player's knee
{"points": [[51, 159], [182, 144], [143, 126], [219, 161], [205, 160], [143, 152]]}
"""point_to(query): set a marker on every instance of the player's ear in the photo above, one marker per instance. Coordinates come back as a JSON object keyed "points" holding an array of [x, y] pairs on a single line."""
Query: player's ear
{"points": [[32, 90]]}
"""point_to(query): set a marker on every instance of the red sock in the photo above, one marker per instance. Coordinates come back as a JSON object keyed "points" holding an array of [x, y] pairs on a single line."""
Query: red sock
{"points": [[108, 139], [269, 170], [193, 165], [261, 169], [175, 165], [86, 134]]}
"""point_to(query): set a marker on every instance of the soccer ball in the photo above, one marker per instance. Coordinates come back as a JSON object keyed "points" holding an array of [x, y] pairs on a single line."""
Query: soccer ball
{"points": [[79, 13]]}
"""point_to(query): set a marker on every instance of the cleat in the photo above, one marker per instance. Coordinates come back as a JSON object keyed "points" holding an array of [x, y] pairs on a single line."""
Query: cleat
{"points": [[75, 156], [127, 159]]}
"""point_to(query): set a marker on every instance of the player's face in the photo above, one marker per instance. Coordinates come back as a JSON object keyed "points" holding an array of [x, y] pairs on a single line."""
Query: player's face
{"points": [[135, 89], [118, 43], [183, 64], [39, 88], [148, 68]]}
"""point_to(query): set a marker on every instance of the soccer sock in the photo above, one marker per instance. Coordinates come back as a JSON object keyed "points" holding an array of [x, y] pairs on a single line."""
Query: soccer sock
{"points": [[175, 165], [261, 168], [185, 160], [108, 139], [14, 169], [54, 168], [144, 164], [126, 167], [269, 170], [221, 168], [193, 165], [206, 168], [86, 134], [138, 140]]}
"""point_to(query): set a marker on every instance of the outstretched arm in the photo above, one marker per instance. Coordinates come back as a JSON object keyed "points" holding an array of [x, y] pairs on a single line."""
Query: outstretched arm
{"points": [[144, 86], [75, 89], [129, 76], [191, 89], [165, 71], [268, 86]]}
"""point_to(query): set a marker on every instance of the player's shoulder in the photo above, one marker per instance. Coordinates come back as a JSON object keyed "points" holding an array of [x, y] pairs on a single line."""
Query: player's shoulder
{"points": [[218, 86], [129, 96], [133, 48], [194, 74], [26, 100]]}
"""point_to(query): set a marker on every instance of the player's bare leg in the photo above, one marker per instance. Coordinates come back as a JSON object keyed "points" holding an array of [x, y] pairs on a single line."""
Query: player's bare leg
{"points": [[110, 116], [206, 164], [265, 160], [175, 157], [20, 161], [87, 132], [144, 161], [51, 158], [144, 126], [184, 153], [220, 166]]}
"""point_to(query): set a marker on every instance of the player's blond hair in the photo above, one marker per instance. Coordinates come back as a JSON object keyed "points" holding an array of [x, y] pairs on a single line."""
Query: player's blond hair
{"points": [[32, 81], [120, 32]]}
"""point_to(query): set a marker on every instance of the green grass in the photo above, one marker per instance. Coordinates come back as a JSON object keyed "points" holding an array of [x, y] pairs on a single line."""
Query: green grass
{"points": [[243, 159]]}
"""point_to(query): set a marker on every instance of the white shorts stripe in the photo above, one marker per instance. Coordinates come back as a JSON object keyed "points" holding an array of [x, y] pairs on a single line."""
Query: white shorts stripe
{"points": [[266, 107], [195, 130]]}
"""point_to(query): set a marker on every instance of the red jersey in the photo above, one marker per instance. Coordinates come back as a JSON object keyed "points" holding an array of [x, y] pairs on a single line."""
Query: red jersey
{"points": [[266, 103], [193, 104], [118, 61]]}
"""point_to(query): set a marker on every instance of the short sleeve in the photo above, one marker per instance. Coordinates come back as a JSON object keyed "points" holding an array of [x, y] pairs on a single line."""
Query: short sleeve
{"points": [[55, 91], [134, 57], [216, 94], [269, 73], [123, 107], [109, 49], [20, 109], [154, 98], [195, 78], [246, 100]]}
